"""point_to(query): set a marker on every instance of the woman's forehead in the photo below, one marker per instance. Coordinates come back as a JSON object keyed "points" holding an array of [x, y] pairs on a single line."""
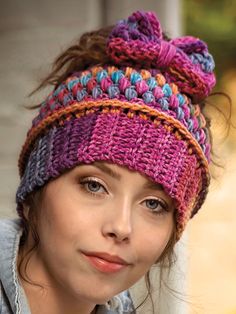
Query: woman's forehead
{"points": [[119, 172]]}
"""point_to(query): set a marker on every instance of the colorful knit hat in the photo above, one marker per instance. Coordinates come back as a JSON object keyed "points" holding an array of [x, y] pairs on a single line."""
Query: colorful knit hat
{"points": [[139, 111]]}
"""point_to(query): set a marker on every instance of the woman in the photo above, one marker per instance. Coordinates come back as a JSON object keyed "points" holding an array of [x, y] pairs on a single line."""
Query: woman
{"points": [[115, 164]]}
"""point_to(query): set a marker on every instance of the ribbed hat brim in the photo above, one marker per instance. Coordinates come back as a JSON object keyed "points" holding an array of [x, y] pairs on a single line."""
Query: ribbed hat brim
{"points": [[152, 149]]}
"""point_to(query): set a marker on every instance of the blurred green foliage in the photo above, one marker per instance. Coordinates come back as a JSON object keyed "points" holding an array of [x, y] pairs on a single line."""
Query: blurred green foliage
{"points": [[214, 21]]}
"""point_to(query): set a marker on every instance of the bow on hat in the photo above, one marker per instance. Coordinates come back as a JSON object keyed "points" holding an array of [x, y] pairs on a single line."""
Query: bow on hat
{"points": [[184, 61]]}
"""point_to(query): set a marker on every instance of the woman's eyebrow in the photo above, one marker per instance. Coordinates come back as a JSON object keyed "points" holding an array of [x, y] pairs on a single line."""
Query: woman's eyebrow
{"points": [[153, 186], [107, 170], [148, 185]]}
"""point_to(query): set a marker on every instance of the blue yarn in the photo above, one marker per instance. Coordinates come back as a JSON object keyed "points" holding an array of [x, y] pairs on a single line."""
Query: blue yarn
{"points": [[190, 125], [196, 58], [59, 88], [84, 79], [113, 91], [197, 136], [135, 77], [116, 76], [67, 99], [96, 92], [181, 99], [205, 60], [72, 83], [209, 63], [101, 75], [151, 82], [132, 25], [180, 113], [167, 90], [131, 93], [81, 94], [148, 97], [164, 103]]}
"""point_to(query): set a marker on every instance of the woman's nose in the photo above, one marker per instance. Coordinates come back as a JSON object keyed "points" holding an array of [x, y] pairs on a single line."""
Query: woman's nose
{"points": [[118, 222]]}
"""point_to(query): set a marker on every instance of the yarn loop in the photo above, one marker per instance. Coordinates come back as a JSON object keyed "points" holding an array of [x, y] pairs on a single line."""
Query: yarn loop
{"points": [[184, 61]]}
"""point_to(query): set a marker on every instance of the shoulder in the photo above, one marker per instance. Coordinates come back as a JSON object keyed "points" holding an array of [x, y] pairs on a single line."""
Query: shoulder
{"points": [[121, 303], [10, 232], [9, 224], [9, 228], [125, 302], [1, 298], [5, 306]]}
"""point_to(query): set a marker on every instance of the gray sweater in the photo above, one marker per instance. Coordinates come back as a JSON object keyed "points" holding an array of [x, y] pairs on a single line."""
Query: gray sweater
{"points": [[12, 296]]}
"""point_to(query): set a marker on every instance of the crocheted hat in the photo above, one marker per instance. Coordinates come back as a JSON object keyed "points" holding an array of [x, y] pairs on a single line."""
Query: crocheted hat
{"points": [[141, 113]]}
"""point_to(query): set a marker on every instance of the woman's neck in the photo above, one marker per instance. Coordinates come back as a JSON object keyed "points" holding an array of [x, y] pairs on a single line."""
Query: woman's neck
{"points": [[47, 301], [43, 295]]}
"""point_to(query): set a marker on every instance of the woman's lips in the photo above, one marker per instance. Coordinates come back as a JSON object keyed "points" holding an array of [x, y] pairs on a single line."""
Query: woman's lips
{"points": [[105, 262]]}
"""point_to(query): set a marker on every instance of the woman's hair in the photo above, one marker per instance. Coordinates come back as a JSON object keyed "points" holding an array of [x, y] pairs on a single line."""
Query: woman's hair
{"points": [[88, 50]]}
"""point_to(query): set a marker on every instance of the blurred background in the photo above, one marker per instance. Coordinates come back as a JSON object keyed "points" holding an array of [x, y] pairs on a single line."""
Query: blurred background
{"points": [[33, 32], [212, 241]]}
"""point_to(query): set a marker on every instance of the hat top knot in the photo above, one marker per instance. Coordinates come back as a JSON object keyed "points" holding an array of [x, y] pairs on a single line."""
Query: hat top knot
{"points": [[185, 61]]}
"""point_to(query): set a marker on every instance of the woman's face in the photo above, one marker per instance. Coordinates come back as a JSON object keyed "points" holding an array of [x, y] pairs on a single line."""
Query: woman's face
{"points": [[101, 228]]}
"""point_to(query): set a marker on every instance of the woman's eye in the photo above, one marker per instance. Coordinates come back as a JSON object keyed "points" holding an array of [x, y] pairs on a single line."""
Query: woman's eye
{"points": [[157, 206], [92, 186]]}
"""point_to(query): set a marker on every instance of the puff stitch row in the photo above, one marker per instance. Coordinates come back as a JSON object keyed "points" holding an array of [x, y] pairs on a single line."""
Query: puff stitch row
{"points": [[134, 86]]}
